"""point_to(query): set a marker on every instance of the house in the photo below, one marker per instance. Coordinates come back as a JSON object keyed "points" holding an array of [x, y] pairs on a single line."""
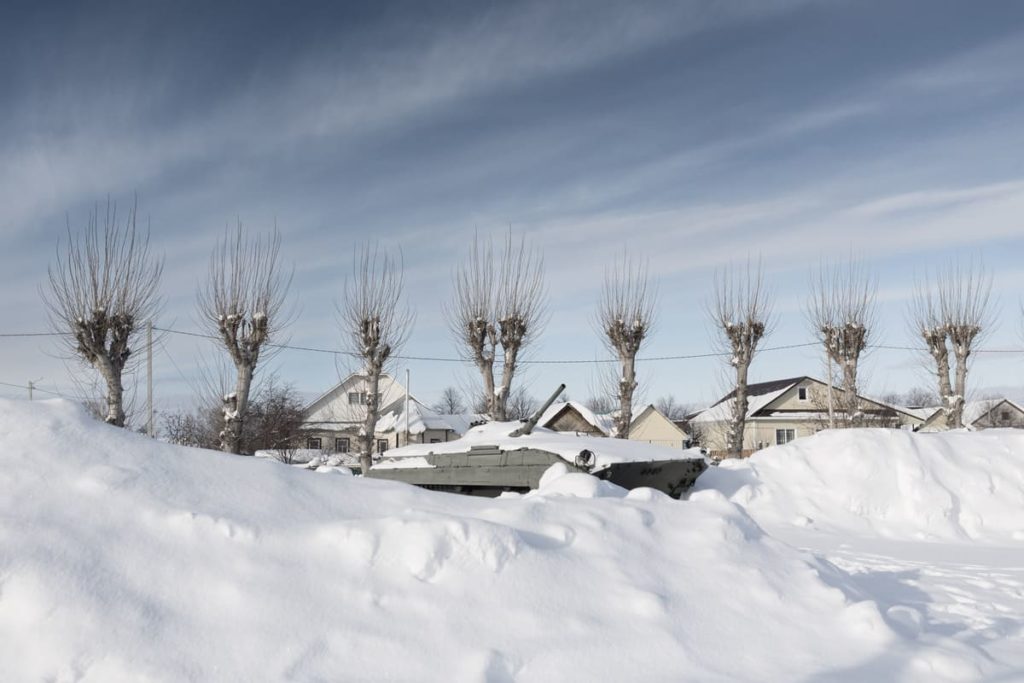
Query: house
{"points": [[572, 416], [783, 410], [985, 414], [648, 425], [332, 421]]}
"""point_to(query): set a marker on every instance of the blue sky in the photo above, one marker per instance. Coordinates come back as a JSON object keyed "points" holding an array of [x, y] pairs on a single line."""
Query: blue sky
{"points": [[693, 133]]}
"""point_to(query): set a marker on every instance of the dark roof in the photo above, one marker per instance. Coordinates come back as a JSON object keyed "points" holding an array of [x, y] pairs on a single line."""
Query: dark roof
{"points": [[761, 388]]}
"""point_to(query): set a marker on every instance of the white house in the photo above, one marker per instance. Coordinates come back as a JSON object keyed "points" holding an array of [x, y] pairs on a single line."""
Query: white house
{"points": [[332, 421]]}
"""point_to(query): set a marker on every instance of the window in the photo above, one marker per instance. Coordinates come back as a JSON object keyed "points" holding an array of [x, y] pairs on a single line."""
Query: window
{"points": [[314, 443], [784, 436], [1005, 416], [801, 393], [357, 398], [341, 445], [382, 445], [435, 441]]}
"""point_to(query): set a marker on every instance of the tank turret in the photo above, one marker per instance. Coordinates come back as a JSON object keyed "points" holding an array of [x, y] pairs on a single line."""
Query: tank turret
{"points": [[533, 419]]}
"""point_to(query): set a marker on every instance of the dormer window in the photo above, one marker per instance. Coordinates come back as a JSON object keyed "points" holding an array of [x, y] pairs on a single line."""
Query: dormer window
{"points": [[801, 393]]}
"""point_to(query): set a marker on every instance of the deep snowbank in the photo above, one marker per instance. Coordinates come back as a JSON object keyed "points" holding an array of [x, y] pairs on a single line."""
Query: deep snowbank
{"points": [[964, 486], [125, 559]]}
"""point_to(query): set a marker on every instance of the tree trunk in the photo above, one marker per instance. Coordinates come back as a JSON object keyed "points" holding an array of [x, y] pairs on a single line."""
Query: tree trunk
{"points": [[486, 367], [115, 391], [235, 407], [508, 371], [958, 396], [627, 385], [739, 411], [941, 356], [367, 434], [851, 405]]}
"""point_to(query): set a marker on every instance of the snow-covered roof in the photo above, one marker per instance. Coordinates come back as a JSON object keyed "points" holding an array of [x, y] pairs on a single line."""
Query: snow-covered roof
{"points": [[603, 423], [722, 411], [975, 410], [566, 444], [919, 413], [422, 418]]}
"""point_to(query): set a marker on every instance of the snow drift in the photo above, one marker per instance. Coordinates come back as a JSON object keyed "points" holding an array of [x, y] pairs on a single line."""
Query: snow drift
{"points": [[953, 486], [126, 559]]}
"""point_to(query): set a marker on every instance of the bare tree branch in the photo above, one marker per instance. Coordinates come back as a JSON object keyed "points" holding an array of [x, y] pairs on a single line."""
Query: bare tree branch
{"points": [[103, 287], [375, 324], [242, 304], [741, 315], [841, 313], [499, 301], [450, 403], [952, 312], [625, 317]]}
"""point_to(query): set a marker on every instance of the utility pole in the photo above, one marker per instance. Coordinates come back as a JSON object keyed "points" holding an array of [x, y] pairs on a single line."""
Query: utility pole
{"points": [[31, 386], [407, 406], [831, 410], [149, 378]]}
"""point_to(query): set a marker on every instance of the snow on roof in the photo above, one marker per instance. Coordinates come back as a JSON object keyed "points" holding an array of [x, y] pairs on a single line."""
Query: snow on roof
{"points": [[603, 423], [975, 410], [919, 413], [422, 418], [722, 411], [566, 444]]}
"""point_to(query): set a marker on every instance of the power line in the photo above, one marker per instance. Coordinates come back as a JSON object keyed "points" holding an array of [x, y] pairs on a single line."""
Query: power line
{"points": [[35, 334], [35, 387], [542, 361]]}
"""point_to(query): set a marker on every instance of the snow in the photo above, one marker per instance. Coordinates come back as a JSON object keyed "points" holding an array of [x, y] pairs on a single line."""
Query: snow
{"points": [[951, 486], [125, 559], [929, 525], [566, 444], [422, 418]]}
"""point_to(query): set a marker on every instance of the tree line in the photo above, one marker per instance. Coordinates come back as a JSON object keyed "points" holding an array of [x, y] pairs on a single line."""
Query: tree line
{"points": [[103, 285]]}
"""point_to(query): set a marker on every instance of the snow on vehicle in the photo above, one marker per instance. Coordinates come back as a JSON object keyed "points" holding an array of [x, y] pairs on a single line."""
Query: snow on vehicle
{"points": [[512, 456]]}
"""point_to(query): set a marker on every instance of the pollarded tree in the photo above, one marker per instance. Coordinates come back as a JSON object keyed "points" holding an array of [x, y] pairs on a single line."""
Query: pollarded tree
{"points": [[242, 304], [103, 287], [741, 314], [499, 302], [951, 313], [841, 312], [625, 317], [374, 323]]}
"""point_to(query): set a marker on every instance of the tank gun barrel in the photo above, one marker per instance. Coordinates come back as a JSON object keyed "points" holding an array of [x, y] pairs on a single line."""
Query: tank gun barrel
{"points": [[530, 423]]}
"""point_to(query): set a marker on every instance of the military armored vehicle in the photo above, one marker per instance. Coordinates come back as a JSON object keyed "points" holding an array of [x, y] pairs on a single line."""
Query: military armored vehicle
{"points": [[512, 456]]}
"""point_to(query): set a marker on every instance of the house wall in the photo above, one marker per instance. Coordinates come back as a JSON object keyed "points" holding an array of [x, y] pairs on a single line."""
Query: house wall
{"points": [[571, 421], [757, 432], [335, 408], [653, 427], [994, 417]]}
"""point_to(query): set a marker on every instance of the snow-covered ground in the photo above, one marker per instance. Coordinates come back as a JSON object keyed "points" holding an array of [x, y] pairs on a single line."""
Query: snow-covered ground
{"points": [[126, 559], [931, 526]]}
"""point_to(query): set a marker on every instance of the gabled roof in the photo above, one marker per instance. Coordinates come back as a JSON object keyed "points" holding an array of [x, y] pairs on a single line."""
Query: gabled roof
{"points": [[393, 391], [422, 418], [651, 409], [759, 395], [602, 423], [775, 386], [975, 410]]}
